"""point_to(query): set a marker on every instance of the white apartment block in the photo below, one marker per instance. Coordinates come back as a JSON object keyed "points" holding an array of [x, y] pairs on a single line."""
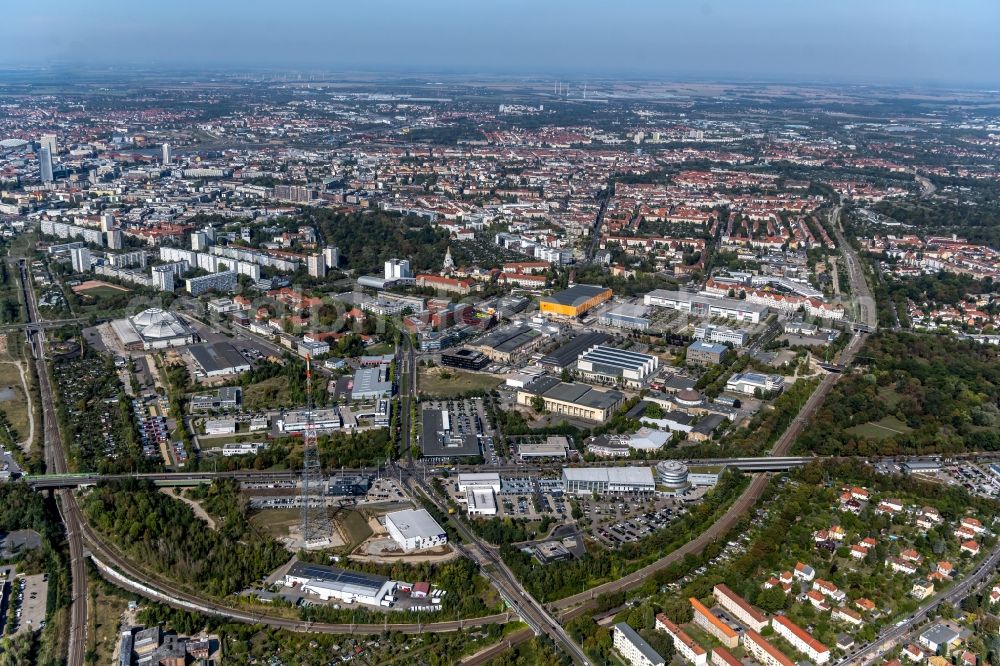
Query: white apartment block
{"points": [[633, 648]]}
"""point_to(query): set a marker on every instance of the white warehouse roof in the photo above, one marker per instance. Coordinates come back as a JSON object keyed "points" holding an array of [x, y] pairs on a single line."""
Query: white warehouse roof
{"points": [[479, 480], [611, 475], [415, 523]]}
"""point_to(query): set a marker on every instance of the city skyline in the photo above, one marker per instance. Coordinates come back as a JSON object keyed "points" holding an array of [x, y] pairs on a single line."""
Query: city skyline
{"points": [[850, 42]]}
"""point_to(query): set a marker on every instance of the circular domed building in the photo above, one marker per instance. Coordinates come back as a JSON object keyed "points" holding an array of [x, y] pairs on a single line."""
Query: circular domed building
{"points": [[689, 398], [673, 474], [153, 329]]}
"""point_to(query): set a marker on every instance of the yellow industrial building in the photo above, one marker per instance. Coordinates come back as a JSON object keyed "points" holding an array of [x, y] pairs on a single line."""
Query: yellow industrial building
{"points": [[575, 301]]}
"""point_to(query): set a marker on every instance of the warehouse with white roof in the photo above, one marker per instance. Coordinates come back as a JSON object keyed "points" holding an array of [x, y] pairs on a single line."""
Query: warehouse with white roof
{"points": [[586, 480], [468, 480], [331, 583], [481, 501], [415, 529]]}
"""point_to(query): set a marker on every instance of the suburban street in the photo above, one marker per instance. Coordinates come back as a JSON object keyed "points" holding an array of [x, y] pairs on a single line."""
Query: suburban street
{"points": [[953, 595]]}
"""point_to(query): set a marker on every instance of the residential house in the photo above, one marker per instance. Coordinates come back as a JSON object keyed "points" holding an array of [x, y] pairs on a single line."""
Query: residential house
{"points": [[970, 547], [922, 589], [845, 614], [898, 565], [800, 639], [866, 605], [829, 590], [973, 524], [706, 619], [804, 572], [817, 600], [762, 651], [739, 608]]}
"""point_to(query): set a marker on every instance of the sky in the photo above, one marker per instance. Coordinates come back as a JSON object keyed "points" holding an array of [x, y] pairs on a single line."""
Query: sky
{"points": [[941, 42]]}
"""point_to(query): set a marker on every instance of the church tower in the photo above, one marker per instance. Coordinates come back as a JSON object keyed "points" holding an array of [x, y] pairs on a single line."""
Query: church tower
{"points": [[449, 264]]}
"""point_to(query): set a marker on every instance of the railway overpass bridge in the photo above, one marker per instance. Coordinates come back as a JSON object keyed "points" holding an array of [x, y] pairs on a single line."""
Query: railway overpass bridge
{"points": [[179, 479], [763, 464]]}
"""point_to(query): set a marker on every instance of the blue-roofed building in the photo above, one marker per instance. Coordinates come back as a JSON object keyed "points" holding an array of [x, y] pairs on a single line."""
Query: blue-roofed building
{"points": [[710, 353], [630, 316], [125, 649]]}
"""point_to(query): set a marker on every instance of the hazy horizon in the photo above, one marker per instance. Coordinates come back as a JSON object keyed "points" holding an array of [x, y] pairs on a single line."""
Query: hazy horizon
{"points": [[891, 42]]}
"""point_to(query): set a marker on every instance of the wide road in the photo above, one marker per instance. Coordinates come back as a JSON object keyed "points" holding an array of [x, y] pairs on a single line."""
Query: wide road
{"points": [[490, 563], [867, 312], [595, 232], [55, 459], [37, 325], [927, 188], [406, 364]]}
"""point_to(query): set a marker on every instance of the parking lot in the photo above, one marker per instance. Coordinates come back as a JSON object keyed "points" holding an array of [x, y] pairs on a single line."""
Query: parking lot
{"points": [[469, 417], [617, 520], [385, 490], [634, 528], [28, 595], [529, 498], [612, 519], [982, 480]]}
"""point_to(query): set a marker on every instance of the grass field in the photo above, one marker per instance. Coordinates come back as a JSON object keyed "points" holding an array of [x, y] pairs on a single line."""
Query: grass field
{"points": [[265, 394], [354, 525], [884, 428], [447, 382], [16, 406], [381, 348], [103, 614], [276, 521], [890, 397]]}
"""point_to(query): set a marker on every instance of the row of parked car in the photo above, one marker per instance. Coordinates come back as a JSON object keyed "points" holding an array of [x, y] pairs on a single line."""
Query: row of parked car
{"points": [[633, 529]]}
